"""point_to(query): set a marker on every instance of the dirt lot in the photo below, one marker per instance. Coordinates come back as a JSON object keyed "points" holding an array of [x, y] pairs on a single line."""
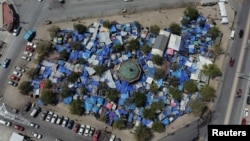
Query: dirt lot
{"points": [[163, 19]]}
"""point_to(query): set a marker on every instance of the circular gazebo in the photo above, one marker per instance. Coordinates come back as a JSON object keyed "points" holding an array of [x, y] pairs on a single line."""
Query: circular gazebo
{"points": [[130, 71]]}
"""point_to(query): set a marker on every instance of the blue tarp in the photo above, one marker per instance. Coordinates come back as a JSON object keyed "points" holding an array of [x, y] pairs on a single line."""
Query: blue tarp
{"points": [[67, 100]]}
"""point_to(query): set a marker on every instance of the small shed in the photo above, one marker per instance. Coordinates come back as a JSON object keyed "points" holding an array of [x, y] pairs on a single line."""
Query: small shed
{"points": [[160, 45]]}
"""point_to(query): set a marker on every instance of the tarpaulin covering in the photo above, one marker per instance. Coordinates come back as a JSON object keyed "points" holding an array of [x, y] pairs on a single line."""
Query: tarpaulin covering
{"points": [[67, 100]]}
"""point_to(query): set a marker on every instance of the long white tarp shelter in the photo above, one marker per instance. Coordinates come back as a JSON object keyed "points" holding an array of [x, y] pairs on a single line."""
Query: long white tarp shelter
{"points": [[222, 7], [174, 42]]}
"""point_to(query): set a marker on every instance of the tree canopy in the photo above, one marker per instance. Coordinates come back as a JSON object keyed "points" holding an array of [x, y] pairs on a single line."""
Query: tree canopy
{"points": [[157, 59], [65, 92], [138, 98], [149, 113], [107, 23], [159, 74], [146, 49], [43, 48], [75, 45], [211, 70], [32, 73], [76, 107], [175, 28], [191, 12], [48, 97], [155, 29], [118, 124], [64, 55], [197, 107], [153, 88], [47, 83], [190, 86], [112, 94], [214, 32], [53, 30], [142, 133], [73, 77], [100, 69], [80, 28], [176, 93], [132, 45], [158, 105], [25, 87], [158, 127], [208, 93]]}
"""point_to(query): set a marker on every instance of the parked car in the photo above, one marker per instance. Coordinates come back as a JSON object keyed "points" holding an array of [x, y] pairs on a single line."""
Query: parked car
{"points": [[246, 112], [248, 100], [59, 120], [13, 83], [81, 129], [70, 124], [19, 74], [6, 63], [26, 58], [19, 127], [29, 48], [16, 31], [91, 131], [27, 107], [36, 135], [112, 137], [87, 129], [54, 118], [14, 78], [76, 127], [18, 68], [49, 116], [5, 123], [44, 114], [65, 122], [96, 135], [27, 53], [33, 125], [35, 111]]}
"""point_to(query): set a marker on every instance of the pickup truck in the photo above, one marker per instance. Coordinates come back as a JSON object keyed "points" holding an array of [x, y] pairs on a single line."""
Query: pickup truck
{"points": [[29, 35]]}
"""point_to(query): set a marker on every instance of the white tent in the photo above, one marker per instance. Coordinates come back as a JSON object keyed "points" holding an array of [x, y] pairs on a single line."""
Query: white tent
{"points": [[222, 7], [174, 42]]}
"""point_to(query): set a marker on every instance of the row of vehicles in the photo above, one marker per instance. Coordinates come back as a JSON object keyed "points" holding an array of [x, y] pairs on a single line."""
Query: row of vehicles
{"points": [[16, 76]]}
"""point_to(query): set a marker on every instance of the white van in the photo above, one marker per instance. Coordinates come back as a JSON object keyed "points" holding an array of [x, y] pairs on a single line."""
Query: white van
{"points": [[6, 123], [35, 111], [232, 34]]}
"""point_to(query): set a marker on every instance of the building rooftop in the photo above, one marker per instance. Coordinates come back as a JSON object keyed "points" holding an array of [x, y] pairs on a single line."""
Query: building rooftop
{"points": [[130, 71]]}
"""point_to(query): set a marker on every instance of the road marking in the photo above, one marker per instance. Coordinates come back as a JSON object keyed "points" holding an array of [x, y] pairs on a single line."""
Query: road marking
{"points": [[236, 78]]}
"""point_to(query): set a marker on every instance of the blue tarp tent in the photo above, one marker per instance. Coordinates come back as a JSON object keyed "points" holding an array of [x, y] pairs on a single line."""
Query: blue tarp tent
{"points": [[67, 100]]}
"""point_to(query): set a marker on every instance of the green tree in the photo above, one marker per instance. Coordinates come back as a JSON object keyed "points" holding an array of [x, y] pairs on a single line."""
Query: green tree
{"points": [[159, 105], [99, 69], [137, 24], [157, 59], [133, 44], [32, 73], [197, 107], [176, 93], [158, 127], [112, 94], [73, 77], [146, 49], [207, 93], [64, 55], [138, 98], [185, 21], [214, 32], [107, 24], [117, 48], [65, 92], [118, 124], [25, 87], [173, 81], [82, 61], [154, 88], [48, 97], [190, 86], [175, 28], [216, 50], [76, 107], [43, 48], [155, 29], [142, 133], [75, 45], [82, 90], [149, 113], [48, 84], [174, 66], [159, 74], [80, 28], [53, 30], [211, 70], [191, 12]]}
